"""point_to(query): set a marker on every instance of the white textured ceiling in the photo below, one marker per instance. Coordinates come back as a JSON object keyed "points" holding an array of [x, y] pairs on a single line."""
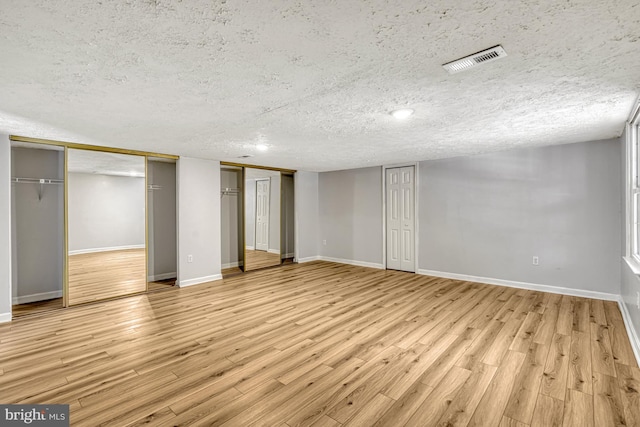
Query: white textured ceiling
{"points": [[315, 80]]}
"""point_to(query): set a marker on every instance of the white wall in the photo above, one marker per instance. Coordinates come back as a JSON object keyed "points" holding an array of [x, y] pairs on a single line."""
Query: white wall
{"points": [[105, 212], [488, 215], [630, 282], [38, 226], [306, 216], [630, 287], [5, 229], [350, 213], [198, 221], [162, 210]]}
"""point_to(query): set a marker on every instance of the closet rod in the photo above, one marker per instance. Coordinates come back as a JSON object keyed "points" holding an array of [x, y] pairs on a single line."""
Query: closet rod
{"points": [[229, 192], [37, 180], [40, 181]]}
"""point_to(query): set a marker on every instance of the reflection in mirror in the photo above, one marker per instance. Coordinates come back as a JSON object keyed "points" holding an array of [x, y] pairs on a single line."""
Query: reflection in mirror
{"points": [[161, 221], [232, 251], [106, 225], [287, 214], [261, 218]]}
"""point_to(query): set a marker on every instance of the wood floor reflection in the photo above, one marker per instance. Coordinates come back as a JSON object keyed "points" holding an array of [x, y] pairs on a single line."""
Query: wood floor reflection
{"points": [[20, 310], [260, 259], [103, 275]]}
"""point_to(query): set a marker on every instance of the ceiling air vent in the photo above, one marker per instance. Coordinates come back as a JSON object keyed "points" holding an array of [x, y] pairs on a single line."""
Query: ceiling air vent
{"points": [[478, 58]]}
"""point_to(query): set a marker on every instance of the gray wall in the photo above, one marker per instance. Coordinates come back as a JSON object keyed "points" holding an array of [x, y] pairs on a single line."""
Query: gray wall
{"points": [[306, 200], [105, 211], [288, 216], [250, 213], [198, 221], [5, 229], [350, 212], [488, 215], [274, 214], [231, 218], [162, 208], [38, 226]]}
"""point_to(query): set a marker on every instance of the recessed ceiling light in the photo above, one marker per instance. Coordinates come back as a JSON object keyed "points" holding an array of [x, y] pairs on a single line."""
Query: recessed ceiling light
{"points": [[402, 113], [262, 147]]}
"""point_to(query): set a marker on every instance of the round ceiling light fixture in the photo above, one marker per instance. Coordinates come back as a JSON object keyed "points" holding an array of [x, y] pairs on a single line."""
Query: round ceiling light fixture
{"points": [[262, 147], [402, 113]]}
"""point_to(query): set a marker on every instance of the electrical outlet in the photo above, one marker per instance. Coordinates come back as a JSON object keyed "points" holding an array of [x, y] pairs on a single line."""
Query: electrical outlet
{"points": [[189, 258], [638, 300], [324, 242], [536, 260]]}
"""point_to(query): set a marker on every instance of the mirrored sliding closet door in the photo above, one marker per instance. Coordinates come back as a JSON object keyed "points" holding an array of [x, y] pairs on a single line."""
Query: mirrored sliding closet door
{"points": [[261, 218], [106, 208]]}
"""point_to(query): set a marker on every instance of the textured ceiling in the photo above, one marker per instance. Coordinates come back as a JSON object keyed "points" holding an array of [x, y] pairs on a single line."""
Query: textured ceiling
{"points": [[315, 80]]}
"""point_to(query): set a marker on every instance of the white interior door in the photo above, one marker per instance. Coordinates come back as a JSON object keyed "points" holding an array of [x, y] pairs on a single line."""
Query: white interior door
{"points": [[400, 189], [262, 214]]}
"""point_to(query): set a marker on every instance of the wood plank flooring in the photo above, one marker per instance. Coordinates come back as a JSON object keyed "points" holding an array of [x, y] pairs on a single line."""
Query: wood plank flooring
{"points": [[101, 275], [326, 344], [260, 259], [37, 307]]}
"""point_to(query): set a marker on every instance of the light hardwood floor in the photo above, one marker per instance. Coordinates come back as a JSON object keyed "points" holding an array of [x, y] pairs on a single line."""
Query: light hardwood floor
{"points": [[260, 259], [329, 345], [101, 275], [37, 307]]}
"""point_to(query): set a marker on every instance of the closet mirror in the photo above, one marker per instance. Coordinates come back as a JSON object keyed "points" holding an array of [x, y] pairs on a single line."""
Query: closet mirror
{"points": [[106, 205], [262, 191]]}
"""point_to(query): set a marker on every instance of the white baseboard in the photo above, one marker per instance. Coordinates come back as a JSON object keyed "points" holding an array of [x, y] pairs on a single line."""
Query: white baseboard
{"points": [[631, 331], [308, 259], [5, 317], [274, 251], [163, 276], [231, 265], [112, 248], [24, 299], [250, 248], [199, 280], [523, 285], [352, 262]]}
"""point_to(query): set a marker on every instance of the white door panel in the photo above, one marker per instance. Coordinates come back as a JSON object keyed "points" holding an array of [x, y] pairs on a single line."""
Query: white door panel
{"points": [[400, 189], [262, 214]]}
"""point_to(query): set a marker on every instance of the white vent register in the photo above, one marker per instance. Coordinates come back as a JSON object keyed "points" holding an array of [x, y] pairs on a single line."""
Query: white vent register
{"points": [[478, 58]]}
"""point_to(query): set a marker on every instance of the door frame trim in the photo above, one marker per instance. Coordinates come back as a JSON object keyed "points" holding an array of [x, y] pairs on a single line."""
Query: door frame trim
{"points": [[416, 226]]}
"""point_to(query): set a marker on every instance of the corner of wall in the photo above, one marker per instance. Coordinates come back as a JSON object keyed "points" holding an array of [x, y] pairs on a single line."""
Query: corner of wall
{"points": [[5, 229]]}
